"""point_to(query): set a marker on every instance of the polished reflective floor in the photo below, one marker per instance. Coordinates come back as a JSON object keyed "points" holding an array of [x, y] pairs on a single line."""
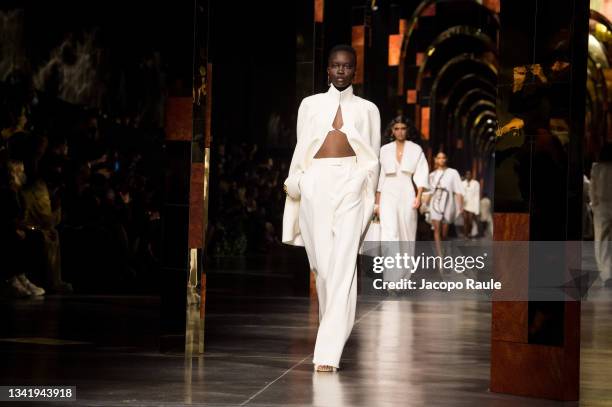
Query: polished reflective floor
{"points": [[258, 350]]}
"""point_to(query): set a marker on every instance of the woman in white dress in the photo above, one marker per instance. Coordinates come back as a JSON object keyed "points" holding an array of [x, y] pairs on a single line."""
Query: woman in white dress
{"points": [[601, 202], [471, 201], [445, 198], [403, 178]]}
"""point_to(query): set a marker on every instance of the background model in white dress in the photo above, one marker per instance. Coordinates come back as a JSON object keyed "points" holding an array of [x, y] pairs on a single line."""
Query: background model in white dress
{"points": [[471, 198], [601, 202], [398, 217], [442, 205]]}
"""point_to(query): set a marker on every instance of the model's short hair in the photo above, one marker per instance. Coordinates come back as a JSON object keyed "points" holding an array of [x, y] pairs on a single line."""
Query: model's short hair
{"points": [[345, 48]]}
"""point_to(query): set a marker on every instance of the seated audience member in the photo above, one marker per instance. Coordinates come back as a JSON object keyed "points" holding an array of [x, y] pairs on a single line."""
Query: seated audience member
{"points": [[13, 234]]}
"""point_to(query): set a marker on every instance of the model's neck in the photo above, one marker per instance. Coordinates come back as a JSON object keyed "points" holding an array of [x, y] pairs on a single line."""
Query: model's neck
{"points": [[341, 89]]}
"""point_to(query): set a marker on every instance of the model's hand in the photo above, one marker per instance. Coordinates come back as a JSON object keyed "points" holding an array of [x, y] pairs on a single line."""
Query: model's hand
{"points": [[377, 210], [417, 202]]}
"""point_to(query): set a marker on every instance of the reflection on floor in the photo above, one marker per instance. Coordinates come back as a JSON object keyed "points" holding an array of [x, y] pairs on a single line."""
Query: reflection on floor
{"points": [[258, 352]]}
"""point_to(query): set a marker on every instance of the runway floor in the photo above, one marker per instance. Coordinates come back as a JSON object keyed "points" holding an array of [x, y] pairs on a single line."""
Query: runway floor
{"points": [[259, 349]]}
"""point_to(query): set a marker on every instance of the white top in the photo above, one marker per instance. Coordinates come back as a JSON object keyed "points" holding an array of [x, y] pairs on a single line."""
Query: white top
{"points": [[413, 162], [448, 179], [361, 124], [471, 198], [601, 188], [485, 210]]}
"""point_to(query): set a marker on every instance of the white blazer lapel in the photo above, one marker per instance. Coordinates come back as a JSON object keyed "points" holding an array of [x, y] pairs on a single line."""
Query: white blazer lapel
{"points": [[387, 158]]}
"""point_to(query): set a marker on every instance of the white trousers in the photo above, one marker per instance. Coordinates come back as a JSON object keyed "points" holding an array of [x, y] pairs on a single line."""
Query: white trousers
{"points": [[602, 225], [331, 213], [398, 221]]}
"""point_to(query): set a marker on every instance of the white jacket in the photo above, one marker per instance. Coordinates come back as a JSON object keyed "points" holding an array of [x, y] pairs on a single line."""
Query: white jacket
{"points": [[413, 162], [361, 124]]}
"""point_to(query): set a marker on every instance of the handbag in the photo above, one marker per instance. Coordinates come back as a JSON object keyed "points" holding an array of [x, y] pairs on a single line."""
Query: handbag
{"points": [[371, 245]]}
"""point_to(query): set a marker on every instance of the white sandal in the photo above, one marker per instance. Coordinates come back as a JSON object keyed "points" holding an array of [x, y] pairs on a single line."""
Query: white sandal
{"points": [[325, 368]]}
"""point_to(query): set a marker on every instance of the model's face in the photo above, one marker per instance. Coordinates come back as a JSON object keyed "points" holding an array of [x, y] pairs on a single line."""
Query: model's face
{"points": [[400, 131], [341, 69], [441, 160], [468, 175]]}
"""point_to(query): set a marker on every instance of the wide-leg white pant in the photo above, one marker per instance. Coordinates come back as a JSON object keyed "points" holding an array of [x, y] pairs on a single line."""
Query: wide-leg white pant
{"points": [[398, 221], [331, 213]]}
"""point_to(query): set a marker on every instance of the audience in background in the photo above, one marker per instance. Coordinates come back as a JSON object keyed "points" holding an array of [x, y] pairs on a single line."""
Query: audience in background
{"points": [[90, 207], [89, 210], [15, 238], [246, 200]]}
